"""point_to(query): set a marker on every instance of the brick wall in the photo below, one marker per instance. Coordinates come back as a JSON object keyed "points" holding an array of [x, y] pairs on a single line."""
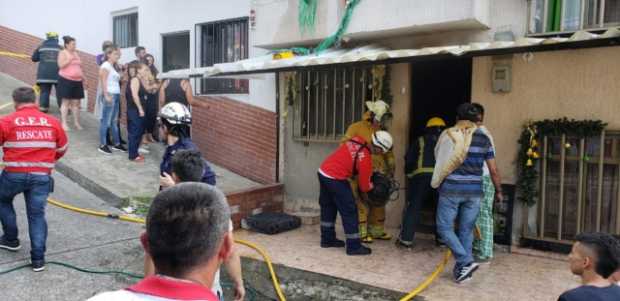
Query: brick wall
{"points": [[268, 198], [237, 136], [231, 134], [26, 70]]}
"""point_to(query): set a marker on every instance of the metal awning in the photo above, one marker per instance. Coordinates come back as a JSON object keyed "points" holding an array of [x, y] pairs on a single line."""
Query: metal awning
{"points": [[373, 54]]}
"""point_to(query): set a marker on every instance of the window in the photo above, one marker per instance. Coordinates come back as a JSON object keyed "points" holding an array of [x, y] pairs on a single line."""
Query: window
{"points": [[555, 16], [328, 101], [580, 186], [223, 42], [125, 30], [175, 51]]}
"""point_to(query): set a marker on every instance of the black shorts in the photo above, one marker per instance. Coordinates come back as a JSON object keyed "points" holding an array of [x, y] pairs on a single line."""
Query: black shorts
{"points": [[69, 89]]}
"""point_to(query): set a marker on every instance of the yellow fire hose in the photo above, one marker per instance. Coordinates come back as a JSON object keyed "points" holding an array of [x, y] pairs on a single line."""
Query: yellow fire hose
{"points": [[274, 278]]}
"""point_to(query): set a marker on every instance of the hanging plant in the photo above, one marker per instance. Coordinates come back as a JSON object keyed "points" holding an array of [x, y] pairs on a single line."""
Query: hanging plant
{"points": [[292, 88], [307, 15], [529, 153], [381, 83]]}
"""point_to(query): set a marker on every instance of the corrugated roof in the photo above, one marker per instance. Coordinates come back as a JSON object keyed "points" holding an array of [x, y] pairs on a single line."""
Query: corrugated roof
{"points": [[377, 54]]}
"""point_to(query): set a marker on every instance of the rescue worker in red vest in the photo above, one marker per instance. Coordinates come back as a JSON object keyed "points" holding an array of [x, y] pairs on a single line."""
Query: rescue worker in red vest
{"points": [[32, 142], [419, 166], [371, 219], [350, 159]]}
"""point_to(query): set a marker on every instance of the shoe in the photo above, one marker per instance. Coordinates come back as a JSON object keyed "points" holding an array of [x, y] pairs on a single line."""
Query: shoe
{"points": [[123, 141], [359, 251], [333, 244], [104, 149], [38, 265], [12, 246], [403, 245], [138, 159], [439, 243], [465, 272], [367, 239], [143, 150], [120, 148], [384, 236]]}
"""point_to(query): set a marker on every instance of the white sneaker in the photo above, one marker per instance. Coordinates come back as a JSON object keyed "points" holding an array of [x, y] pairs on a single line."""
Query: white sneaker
{"points": [[143, 150]]}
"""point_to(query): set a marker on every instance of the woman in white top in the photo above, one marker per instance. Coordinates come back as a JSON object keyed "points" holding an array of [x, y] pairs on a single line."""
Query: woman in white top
{"points": [[109, 80]]}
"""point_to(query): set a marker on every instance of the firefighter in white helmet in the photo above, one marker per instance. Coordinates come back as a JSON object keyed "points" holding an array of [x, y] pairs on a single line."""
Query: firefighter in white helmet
{"points": [[372, 219]]}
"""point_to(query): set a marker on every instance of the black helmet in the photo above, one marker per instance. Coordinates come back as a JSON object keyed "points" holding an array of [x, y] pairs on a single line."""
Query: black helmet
{"points": [[385, 189]]}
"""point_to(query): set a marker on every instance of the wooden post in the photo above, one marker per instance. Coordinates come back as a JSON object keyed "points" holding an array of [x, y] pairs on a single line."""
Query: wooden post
{"points": [[562, 171], [580, 187], [599, 195], [543, 190]]}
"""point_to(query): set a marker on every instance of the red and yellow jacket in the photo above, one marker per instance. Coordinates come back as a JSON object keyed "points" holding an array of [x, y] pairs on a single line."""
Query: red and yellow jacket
{"points": [[340, 165], [32, 141]]}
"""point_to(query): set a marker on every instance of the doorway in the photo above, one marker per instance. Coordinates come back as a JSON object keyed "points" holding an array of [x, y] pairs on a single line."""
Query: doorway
{"points": [[438, 87]]}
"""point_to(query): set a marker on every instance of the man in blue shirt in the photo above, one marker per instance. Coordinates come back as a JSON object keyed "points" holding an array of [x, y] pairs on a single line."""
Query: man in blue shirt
{"points": [[594, 257], [460, 192]]}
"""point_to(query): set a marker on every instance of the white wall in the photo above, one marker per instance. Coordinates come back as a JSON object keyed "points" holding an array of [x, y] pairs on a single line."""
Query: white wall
{"points": [[277, 22], [91, 23]]}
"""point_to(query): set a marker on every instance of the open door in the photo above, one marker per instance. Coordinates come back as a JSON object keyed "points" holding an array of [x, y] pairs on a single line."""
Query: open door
{"points": [[438, 87]]}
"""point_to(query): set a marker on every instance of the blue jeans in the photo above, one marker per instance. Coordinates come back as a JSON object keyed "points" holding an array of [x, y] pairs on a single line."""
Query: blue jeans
{"points": [[336, 197], [109, 120], [466, 207], [35, 188], [135, 130]]}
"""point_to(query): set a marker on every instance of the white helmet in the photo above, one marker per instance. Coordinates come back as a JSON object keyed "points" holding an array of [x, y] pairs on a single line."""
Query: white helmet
{"points": [[379, 108], [176, 113], [383, 140]]}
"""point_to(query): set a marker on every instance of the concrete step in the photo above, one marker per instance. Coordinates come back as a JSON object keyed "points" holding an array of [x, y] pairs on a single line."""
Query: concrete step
{"points": [[308, 210]]}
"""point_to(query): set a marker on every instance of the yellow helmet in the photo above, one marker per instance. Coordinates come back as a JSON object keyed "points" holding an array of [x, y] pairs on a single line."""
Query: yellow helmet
{"points": [[435, 121], [51, 34]]}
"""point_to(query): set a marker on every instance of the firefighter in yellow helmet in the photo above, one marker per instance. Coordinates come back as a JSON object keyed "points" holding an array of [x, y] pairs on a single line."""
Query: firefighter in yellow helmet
{"points": [[419, 166], [371, 219]]}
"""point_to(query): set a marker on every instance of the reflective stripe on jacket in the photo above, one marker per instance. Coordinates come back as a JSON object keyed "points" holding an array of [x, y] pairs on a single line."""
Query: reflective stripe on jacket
{"points": [[32, 141]]}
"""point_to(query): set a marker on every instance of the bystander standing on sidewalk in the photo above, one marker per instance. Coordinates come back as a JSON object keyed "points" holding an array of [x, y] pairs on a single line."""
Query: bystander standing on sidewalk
{"points": [[483, 247], [71, 82], [109, 79], [151, 105]]}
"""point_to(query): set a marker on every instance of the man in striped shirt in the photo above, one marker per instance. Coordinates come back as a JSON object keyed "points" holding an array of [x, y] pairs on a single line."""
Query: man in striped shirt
{"points": [[460, 194], [32, 142]]}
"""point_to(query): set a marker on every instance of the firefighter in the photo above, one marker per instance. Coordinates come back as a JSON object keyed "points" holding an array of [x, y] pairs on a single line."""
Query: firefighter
{"points": [[32, 142], [175, 120], [47, 73], [336, 196], [419, 165], [371, 219]]}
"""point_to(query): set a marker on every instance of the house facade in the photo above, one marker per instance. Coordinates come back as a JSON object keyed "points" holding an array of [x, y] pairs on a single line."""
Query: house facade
{"points": [[319, 98]]}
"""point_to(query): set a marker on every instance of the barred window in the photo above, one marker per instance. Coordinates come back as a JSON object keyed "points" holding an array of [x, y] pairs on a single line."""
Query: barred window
{"points": [[223, 42], [552, 16], [125, 30], [579, 186], [328, 101]]}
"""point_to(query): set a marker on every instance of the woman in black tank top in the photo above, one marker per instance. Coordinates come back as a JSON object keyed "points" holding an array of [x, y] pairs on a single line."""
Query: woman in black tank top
{"points": [[136, 94], [178, 90]]}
